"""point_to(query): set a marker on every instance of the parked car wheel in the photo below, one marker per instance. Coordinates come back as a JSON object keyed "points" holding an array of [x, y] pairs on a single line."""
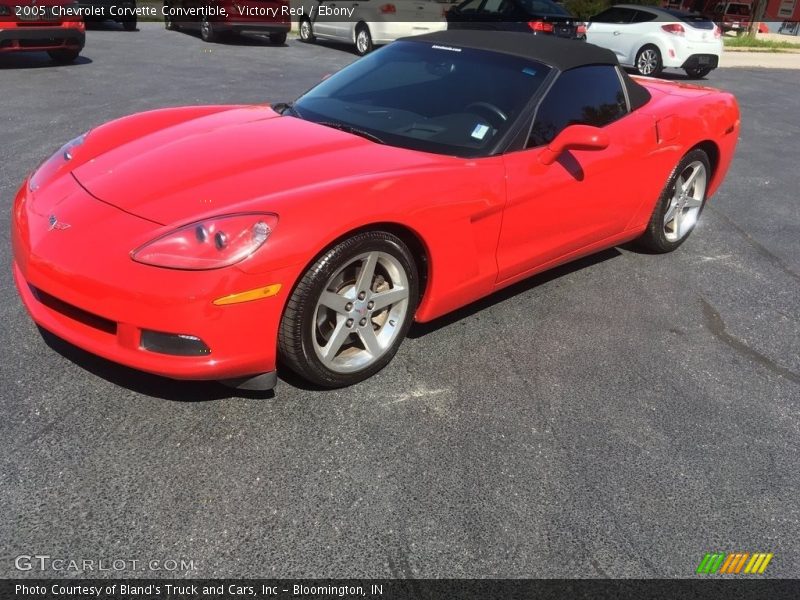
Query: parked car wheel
{"points": [[698, 72], [277, 39], [169, 21], [63, 57], [648, 61], [129, 24], [306, 31], [351, 310], [363, 40], [207, 31], [680, 204]]}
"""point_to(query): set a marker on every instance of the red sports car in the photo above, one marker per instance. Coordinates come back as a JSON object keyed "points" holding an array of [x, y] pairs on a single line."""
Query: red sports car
{"points": [[213, 242]]}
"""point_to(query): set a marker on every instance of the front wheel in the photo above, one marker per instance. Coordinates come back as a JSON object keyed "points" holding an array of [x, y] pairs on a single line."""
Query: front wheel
{"points": [[363, 40], [350, 311], [129, 24], [306, 31], [648, 61], [680, 204]]}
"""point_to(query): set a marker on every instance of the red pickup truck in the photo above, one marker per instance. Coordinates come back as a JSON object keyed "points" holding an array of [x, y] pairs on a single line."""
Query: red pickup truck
{"points": [[52, 26]]}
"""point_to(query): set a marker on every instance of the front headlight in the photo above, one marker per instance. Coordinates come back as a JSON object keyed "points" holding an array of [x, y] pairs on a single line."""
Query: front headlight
{"points": [[49, 167], [209, 244]]}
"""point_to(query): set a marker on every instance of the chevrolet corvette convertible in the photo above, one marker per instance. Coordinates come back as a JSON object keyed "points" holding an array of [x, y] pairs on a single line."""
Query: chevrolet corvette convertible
{"points": [[217, 242]]}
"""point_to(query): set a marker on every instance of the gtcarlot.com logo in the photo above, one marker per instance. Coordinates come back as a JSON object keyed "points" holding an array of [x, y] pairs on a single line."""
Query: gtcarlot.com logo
{"points": [[46, 563], [734, 563]]}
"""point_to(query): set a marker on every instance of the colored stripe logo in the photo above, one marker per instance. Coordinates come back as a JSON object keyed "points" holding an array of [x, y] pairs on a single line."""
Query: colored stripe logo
{"points": [[734, 563]]}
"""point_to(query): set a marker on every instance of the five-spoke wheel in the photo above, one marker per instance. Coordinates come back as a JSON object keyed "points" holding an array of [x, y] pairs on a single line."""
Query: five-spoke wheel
{"points": [[351, 309], [679, 207]]}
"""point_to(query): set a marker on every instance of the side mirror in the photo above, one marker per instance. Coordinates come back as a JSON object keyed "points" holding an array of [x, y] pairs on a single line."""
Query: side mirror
{"points": [[574, 137]]}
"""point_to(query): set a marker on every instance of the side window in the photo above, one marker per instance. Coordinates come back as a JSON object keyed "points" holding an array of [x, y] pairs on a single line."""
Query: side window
{"points": [[641, 16], [614, 15], [497, 6], [471, 6], [590, 95]]}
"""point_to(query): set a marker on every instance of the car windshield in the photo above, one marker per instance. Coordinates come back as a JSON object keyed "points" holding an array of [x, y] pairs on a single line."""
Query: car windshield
{"points": [[424, 96]]}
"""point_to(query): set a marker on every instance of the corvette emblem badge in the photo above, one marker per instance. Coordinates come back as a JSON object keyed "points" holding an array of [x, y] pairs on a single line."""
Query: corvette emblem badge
{"points": [[56, 224]]}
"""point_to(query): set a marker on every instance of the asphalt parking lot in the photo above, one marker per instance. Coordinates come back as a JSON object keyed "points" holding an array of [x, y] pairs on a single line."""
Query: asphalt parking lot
{"points": [[617, 417]]}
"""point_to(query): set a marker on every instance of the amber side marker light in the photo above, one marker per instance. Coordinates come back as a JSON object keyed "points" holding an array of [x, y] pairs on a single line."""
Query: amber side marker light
{"points": [[256, 294]]}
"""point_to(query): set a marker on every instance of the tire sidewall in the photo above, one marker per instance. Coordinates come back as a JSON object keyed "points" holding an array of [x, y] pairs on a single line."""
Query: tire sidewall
{"points": [[363, 28], [322, 270], [655, 237]]}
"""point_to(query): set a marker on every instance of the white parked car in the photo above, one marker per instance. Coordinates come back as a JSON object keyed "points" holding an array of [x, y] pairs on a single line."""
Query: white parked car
{"points": [[369, 23], [650, 39]]}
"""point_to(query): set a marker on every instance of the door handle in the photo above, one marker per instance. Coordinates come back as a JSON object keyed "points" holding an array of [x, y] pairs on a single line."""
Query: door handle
{"points": [[617, 32]]}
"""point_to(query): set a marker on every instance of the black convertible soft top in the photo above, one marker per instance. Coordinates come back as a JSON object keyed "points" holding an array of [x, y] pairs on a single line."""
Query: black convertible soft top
{"points": [[563, 54], [560, 53]]}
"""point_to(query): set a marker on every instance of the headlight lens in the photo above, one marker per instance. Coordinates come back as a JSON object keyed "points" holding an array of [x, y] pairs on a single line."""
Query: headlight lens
{"points": [[61, 156], [209, 244]]}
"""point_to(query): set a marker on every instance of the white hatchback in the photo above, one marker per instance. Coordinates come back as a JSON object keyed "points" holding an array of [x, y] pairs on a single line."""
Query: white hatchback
{"points": [[650, 39], [369, 23]]}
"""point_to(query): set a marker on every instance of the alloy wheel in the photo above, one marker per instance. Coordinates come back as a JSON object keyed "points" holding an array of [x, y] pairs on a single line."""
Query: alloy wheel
{"points": [[686, 202], [360, 312]]}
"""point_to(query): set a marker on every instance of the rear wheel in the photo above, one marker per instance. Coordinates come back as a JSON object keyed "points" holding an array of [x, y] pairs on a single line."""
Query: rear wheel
{"points": [[207, 31], [648, 61], [698, 72], [680, 204], [306, 31], [350, 311], [63, 57], [277, 39], [363, 40], [129, 24], [169, 20]]}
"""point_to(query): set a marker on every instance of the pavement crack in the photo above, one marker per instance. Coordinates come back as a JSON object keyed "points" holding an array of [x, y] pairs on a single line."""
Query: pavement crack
{"points": [[716, 326]]}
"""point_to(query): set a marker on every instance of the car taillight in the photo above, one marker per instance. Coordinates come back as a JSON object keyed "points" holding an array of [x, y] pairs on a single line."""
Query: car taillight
{"points": [[542, 26], [674, 28], [581, 29], [717, 31], [388, 9]]}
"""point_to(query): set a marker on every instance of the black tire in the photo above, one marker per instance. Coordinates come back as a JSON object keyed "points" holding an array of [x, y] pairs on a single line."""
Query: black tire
{"points": [[63, 57], [654, 238], [277, 39], [129, 24], [169, 21], [643, 67], [295, 337], [365, 46], [207, 31], [698, 72], [306, 31]]}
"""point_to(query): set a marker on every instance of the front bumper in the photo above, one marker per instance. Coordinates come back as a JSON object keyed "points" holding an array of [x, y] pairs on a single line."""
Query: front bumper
{"points": [[24, 39], [82, 286]]}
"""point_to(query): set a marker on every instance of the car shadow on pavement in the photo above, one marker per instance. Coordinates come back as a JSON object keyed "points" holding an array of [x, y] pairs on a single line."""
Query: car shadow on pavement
{"points": [[107, 25], [419, 330], [37, 60], [241, 39], [145, 383]]}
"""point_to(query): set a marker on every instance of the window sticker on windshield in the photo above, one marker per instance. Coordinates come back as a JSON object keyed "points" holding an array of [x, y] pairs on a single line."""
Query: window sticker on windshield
{"points": [[450, 48], [480, 131], [529, 71]]}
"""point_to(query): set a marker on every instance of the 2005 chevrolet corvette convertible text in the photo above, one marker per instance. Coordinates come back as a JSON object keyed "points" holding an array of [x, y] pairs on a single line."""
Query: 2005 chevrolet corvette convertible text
{"points": [[212, 242]]}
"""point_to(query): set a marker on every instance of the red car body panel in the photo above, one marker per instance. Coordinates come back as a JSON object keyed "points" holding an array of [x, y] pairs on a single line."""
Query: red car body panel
{"points": [[138, 177], [32, 26]]}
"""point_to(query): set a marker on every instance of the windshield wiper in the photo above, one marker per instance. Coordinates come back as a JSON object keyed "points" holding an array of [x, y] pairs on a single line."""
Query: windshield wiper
{"points": [[354, 130], [283, 108]]}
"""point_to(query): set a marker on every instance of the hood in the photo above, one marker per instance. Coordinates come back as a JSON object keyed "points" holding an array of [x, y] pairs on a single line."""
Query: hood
{"points": [[211, 164]]}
